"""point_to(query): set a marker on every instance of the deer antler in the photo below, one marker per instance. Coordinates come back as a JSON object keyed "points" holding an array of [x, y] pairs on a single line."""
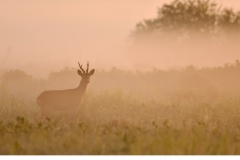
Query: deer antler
{"points": [[87, 66], [81, 68]]}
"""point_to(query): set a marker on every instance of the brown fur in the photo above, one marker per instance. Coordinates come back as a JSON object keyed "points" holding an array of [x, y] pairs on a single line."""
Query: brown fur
{"points": [[68, 100]]}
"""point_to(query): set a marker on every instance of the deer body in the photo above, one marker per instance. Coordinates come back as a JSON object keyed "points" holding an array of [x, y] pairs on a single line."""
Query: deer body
{"points": [[60, 100]]}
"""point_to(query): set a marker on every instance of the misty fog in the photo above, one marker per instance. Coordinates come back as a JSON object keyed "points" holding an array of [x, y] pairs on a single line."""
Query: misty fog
{"points": [[156, 93], [39, 37]]}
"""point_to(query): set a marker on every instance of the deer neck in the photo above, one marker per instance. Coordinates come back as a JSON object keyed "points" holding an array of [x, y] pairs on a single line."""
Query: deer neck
{"points": [[82, 87]]}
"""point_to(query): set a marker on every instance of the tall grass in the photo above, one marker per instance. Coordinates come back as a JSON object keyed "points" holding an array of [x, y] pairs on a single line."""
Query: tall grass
{"points": [[188, 111]]}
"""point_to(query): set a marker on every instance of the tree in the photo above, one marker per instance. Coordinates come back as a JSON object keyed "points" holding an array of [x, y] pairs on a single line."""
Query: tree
{"points": [[190, 17], [16, 76]]}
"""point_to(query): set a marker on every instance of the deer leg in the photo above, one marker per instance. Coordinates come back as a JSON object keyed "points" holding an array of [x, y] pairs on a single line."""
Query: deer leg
{"points": [[71, 115], [45, 112], [81, 114]]}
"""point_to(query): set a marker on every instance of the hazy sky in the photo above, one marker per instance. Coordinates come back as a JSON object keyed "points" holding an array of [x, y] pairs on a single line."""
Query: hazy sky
{"points": [[52, 34]]}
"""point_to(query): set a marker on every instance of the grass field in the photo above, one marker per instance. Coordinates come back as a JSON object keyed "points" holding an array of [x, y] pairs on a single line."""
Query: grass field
{"points": [[176, 119]]}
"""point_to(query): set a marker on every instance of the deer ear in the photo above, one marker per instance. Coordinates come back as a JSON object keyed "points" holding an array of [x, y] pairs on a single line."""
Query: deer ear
{"points": [[91, 72], [80, 73]]}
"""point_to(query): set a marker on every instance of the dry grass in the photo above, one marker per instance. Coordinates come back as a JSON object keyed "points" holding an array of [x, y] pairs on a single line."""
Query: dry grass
{"points": [[201, 119]]}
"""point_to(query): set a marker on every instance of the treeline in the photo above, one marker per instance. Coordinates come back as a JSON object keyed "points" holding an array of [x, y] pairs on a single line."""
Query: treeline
{"points": [[191, 17], [153, 84]]}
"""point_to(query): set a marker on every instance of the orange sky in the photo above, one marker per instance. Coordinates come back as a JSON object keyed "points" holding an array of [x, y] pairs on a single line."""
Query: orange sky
{"points": [[52, 34]]}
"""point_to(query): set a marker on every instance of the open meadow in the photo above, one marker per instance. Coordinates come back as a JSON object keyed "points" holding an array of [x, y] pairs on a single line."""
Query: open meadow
{"points": [[188, 111], [139, 77]]}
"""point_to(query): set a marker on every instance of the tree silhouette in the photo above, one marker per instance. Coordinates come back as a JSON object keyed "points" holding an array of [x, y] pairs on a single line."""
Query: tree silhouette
{"points": [[190, 17]]}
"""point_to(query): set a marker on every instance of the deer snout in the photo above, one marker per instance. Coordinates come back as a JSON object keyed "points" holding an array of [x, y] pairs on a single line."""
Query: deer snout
{"points": [[87, 80]]}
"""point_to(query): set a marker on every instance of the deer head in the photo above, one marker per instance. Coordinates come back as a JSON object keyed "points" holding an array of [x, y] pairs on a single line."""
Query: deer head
{"points": [[85, 74]]}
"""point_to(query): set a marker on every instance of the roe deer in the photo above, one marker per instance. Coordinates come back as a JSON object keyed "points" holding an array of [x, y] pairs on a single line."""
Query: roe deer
{"points": [[70, 99]]}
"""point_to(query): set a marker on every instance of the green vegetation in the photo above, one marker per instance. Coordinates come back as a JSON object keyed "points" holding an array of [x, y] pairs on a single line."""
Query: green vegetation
{"points": [[188, 111]]}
